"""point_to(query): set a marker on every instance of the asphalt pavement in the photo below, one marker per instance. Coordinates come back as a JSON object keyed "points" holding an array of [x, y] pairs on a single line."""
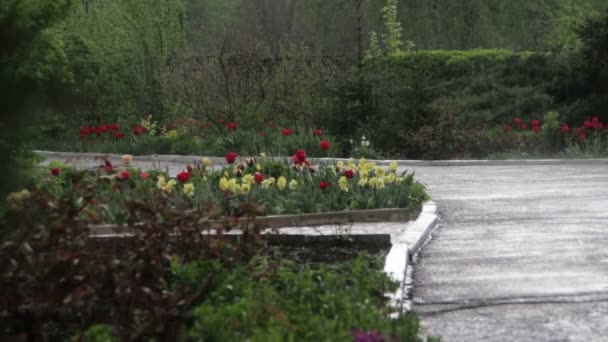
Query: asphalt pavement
{"points": [[520, 253]]}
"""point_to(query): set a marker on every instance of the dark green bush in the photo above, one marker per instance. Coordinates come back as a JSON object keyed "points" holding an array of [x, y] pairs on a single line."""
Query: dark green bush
{"points": [[398, 100]]}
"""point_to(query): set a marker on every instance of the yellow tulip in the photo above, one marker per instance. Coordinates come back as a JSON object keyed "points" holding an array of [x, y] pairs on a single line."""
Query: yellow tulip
{"points": [[281, 183]]}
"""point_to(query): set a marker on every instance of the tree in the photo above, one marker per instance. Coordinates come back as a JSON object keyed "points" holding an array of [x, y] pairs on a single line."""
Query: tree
{"points": [[32, 59]]}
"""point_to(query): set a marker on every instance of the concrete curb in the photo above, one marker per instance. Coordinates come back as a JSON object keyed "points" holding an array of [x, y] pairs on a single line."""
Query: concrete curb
{"points": [[276, 222], [404, 247], [220, 160]]}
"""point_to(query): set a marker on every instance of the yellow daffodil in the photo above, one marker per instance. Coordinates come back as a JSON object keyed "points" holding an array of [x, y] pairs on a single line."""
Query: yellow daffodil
{"points": [[364, 172], [379, 171], [207, 162], [127, 159], [245, 188], [248, 179], [233, 186], [170, 185], [393, 166], [390, 178], [293, 184], [281, 183], [343, 183], [351, 164], [266, 183], [258, 167], [224, 186], [272, 180], [377, 182], [160, 184], [339, 166], [362, 182], [16, 199], [189, 189], [400, 180]]}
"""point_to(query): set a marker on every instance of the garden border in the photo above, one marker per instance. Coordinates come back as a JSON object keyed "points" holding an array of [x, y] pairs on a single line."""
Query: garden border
{"points": [[220, 160], [404, 248]]}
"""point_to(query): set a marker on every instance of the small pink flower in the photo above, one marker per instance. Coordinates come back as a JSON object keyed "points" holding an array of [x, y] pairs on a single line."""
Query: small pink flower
{"points": [[144, 175]]}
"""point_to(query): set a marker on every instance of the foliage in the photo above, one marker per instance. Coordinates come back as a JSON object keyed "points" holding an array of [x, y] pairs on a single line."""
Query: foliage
{"points": [[119, 52], [328, 303], [594, 36], [407, 91], [31, 63], [255, 87], [57, 280]]}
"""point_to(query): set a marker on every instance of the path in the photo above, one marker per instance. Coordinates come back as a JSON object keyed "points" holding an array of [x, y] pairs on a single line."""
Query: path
{"points": [[521, 254]]}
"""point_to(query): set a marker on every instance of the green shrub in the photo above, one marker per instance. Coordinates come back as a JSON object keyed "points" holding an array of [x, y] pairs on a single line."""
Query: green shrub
{"points": [[323, 303], [406, 92]]}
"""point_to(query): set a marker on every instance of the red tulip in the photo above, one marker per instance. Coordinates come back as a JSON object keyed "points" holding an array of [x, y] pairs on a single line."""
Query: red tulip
{"points": [[108, 166], [230, 157], [536, 129], [535, 123], [517, 121], [125, 175], [286, 132], [324, 145], [144, 175], [524, 127], [323, 185], [259, 178], [299, 158], [582, 136], [565, 128], [232, 126], [595, 120], [588, 124], [183, 176], [318, 132], [55, 171], [348, 173]]}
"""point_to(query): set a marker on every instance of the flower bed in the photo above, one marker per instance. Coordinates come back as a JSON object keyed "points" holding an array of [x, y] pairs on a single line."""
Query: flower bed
{"points": [[244, 188], [192, 137], [549, 137]]}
